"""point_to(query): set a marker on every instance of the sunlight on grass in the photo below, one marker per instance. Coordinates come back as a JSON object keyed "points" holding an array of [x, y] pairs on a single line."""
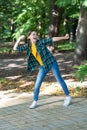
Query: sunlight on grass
{"points": [[28, 86], [74, 92]]}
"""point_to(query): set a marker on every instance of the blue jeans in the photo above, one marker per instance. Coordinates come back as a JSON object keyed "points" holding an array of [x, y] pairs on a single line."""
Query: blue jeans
{"points": [[41, 75]]}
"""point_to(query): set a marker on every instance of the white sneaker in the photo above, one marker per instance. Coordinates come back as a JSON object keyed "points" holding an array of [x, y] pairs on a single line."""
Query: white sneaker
{"points": [[33, 105], [67, 101]]}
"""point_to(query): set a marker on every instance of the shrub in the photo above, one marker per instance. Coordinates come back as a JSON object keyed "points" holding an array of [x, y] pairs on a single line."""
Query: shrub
{"points": [[81, 73]]}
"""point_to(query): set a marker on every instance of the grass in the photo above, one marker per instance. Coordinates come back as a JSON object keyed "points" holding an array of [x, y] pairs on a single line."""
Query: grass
{"points": [[17, 86], [5, 50], [66, 46], [3, 80], [82, 92]]}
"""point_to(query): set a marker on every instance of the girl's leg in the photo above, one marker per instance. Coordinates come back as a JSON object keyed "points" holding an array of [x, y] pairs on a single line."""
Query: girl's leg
{"points": [[40, 77], [56, 72]]}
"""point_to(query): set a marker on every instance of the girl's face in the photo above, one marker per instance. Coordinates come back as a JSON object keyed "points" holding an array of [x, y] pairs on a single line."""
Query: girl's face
{"points": [[33, 37]]}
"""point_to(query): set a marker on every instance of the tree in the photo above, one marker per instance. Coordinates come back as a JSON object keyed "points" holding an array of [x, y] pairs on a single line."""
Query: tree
{"points": [[81, 37], [55, 20]]}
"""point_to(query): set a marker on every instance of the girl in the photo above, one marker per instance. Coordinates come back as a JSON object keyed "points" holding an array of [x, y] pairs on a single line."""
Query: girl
{"points": [[39, 55]]}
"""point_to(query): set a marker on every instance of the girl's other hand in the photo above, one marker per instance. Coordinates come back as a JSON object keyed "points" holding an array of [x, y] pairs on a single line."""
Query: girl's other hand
{"points": [[67, 36]]}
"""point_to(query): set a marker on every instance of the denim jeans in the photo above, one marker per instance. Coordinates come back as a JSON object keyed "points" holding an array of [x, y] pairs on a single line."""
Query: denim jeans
{"points": [[41, 75]]}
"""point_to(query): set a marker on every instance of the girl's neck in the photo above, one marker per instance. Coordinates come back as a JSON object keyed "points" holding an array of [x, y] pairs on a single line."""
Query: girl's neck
{"points": [[32, 42]]}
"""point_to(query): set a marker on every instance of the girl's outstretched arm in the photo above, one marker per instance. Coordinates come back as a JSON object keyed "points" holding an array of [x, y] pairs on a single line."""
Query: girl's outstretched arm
{"points": [[18, 41], [55, 39]]}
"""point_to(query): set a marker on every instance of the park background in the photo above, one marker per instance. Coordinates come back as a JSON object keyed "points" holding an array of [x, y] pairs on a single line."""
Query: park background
{"points": [[50, 18]]}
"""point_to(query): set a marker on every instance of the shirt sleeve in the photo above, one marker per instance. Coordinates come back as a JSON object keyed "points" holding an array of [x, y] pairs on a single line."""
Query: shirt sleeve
{"points": [[22, 48], [47, 41]]}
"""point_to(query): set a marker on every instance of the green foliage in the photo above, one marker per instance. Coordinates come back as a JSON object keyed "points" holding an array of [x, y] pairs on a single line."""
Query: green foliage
{"points": [[85, 4], [5, 49], [72, 7], [81, 73], [77, 89], [31, 15], [5, 13], [3, 80], [66, 46], [27, 15], [64, 3]]}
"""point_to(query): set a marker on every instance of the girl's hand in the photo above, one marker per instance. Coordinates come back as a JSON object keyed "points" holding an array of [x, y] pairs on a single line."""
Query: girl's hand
{"points": [[22, 37], [67, 36], [18, 41]]}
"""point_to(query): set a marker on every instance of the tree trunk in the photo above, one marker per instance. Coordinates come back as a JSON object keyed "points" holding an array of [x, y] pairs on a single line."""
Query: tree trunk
{"points": [[12, 27], [55, 19], [81, 37]]}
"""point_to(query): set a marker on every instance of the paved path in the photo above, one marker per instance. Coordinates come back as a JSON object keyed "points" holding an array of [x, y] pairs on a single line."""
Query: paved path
{"points": [[49, 115]]}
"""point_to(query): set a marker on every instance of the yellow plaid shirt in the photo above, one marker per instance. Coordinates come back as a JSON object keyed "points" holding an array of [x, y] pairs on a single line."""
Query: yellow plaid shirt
{"points": [[41, 46]]}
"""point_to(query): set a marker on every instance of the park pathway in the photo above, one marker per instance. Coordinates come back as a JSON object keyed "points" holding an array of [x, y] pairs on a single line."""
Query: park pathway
{"points": [[49, 115]]}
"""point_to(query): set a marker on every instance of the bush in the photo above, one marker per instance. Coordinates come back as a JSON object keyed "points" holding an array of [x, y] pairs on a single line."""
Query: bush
{"points": [[81, 73]]}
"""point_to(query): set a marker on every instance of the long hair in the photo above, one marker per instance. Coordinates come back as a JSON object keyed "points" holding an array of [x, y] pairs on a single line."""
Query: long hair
{"points": [[29, 33], [28, 40]]}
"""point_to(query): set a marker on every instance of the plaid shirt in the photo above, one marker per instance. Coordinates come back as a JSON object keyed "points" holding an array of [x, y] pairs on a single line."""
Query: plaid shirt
{"points": [[46, 56]]}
